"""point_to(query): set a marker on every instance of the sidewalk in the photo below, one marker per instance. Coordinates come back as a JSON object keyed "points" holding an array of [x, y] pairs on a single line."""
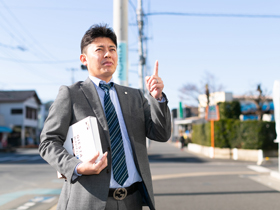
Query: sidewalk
{"points": [[269, 164], [272, 165]]}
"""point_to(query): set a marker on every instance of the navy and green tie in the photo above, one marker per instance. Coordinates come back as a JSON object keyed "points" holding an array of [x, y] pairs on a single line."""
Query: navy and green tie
{"points": [[118, 156]]}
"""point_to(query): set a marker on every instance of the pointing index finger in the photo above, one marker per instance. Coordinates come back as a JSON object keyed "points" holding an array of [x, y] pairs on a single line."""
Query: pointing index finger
{"points": [[156, 68]]}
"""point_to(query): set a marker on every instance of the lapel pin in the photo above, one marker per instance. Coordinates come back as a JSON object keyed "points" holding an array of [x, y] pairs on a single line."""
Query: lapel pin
{"points": [[125, 92]]}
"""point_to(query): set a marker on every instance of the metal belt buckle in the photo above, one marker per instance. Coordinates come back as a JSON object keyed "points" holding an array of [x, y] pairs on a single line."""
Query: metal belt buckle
{"points": [[120, 194]]}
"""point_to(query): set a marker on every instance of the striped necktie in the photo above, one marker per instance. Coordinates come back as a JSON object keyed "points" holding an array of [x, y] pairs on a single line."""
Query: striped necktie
{"points": [[118, 156]]}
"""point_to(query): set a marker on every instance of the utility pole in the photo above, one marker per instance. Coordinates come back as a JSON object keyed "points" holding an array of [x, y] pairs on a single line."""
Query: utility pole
{"points": [[120, 26], [141, 66], [140, 46], [72, 74]]}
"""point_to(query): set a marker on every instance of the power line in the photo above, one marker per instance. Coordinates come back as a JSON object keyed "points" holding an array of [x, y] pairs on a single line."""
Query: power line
{"points": [[24, 29], [29, 68], [213, 15], [6, 29], [18, 47], [132, 5], [51, 8], [38, 62]]}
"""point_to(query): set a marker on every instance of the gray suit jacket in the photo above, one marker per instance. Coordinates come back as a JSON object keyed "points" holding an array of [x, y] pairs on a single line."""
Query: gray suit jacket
{"points": [[81, 100]]}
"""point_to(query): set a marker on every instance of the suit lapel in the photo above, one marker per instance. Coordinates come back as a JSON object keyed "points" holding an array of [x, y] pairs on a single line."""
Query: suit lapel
{"points": [[123, 96], [125, 103], [91, 94], [124, 99]]}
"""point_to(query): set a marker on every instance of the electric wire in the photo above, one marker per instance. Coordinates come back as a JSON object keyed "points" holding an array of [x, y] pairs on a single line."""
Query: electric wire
{"points": [[40, 47], [212, 15], [19, 39], [31, 69], [38, 62]]}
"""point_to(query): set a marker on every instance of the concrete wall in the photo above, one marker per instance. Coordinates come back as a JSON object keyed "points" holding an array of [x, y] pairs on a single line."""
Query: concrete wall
{"points": [[235, 154]]}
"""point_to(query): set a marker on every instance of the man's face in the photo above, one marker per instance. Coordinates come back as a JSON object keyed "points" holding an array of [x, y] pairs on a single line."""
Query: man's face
{"points": [[101, 58]]}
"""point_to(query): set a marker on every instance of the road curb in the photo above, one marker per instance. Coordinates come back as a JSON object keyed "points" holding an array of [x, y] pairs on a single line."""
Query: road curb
{"points": [[275, 174]]}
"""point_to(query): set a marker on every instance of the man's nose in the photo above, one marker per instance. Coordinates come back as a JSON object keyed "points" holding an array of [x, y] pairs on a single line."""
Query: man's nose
{"points": [[107, 54]]}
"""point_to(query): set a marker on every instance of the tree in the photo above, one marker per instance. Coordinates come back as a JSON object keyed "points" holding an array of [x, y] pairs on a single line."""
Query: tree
{"points": [[191, 91], [259, 97]]}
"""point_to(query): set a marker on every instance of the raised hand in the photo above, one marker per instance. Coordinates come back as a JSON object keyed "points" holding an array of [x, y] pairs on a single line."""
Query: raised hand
{"points": [[154, 83]]}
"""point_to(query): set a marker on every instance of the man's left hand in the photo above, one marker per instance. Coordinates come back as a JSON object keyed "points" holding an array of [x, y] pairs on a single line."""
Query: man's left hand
{"points": [[154, 83]]}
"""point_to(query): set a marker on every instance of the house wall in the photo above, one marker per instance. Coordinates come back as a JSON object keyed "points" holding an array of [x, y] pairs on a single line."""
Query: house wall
{"points": [[27, 125], [31, 102], [12, 119], [2, 120]]}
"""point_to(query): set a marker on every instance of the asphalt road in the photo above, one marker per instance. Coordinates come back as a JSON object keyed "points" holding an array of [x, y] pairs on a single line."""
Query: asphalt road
{"points": [[27, 181], [184, 181], [181, 180]]}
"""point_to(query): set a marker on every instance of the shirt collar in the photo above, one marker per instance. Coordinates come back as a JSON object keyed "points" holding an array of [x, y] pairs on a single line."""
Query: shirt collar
{"points": [[96, 80]]}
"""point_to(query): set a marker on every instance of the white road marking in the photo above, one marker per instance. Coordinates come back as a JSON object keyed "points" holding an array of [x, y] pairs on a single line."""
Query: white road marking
{"points": [[26, 206], [267, 181], [259, 169]]}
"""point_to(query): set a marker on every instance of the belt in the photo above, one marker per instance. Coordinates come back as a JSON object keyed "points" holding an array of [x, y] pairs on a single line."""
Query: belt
{"points": [[122, 192]]}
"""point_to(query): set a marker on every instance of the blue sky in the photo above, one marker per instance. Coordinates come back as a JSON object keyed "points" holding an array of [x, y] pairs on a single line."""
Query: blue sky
{"points": [[239, 52]]}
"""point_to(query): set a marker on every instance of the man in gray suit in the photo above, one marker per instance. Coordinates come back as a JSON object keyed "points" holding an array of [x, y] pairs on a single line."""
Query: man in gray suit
{"points": [[90, 185]]}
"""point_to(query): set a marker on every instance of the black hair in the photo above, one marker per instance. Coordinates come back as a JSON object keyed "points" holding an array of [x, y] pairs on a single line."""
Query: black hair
{"points": [[95, 31]]}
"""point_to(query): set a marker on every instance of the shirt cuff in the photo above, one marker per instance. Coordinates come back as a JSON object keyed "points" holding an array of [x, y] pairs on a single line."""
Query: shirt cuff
{"points": [[162, 100], [76, 174]]}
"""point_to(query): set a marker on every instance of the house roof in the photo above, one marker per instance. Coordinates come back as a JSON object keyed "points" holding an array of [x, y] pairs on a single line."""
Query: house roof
{"points": [[18, 96]]}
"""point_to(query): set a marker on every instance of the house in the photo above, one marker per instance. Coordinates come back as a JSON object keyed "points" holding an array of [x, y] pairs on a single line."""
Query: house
{"points": [[43, 113], [189, 117], [20, 112], [4, 131]]}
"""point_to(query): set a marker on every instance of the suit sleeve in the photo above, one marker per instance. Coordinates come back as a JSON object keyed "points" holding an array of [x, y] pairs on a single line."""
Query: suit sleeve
{"points": [[157, 119], [54, 134]]}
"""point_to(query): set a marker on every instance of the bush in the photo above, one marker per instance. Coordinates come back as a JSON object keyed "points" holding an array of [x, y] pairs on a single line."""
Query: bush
{"points": [[201, 134], [230, 133]]}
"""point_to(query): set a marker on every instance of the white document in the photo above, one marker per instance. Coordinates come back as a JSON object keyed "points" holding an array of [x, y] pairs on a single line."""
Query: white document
{"points": [[83, 140]]}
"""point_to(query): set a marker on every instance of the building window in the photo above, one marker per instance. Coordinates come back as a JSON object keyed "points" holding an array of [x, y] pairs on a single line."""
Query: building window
{"points": [[16, 111], [31, 113]]}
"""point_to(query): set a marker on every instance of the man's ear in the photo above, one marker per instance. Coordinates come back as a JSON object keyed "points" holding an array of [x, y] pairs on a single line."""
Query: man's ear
{"points": [[83, 59]]}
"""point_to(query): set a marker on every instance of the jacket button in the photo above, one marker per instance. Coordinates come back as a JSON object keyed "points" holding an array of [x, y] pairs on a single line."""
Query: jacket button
{"points": [[108, 171], [109, 149]]}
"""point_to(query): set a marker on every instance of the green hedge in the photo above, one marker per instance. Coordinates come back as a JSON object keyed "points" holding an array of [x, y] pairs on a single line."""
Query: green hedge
{"points": [[232, 133]]}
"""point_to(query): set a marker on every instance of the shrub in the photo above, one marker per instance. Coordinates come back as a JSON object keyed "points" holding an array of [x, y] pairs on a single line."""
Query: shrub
{"points": [[229, 110], [230, 133]]}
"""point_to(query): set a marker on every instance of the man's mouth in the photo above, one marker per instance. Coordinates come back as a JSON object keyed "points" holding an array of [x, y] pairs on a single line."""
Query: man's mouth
{"points": [[107, 63]]}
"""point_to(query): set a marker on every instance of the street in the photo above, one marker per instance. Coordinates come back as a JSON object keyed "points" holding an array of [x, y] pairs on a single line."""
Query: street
{"points": [[181, 180], [184, 181], [27, 181]]}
